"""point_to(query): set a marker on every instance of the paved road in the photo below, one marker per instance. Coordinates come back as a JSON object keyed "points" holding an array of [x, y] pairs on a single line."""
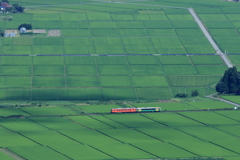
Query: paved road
{"points": [[208, 36], [223, 100]]}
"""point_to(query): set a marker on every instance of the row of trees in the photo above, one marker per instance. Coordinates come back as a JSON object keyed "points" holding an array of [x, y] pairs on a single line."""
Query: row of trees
{"points": [[230, 82]]}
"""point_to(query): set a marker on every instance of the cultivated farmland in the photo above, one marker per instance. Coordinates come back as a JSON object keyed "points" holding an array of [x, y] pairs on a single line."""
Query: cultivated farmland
{"points": [[88, 52]]}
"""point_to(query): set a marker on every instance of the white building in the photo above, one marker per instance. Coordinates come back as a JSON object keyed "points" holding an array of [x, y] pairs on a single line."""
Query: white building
{"points": [[23, 30]]}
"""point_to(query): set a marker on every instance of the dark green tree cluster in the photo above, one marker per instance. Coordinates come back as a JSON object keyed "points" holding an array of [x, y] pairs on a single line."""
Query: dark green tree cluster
{"points": [[27, 26], [1, 33], [230, 82], [16, 8], [5, 1]]}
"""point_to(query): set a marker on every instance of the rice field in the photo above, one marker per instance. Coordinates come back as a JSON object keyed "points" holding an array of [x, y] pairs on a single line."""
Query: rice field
{"points": [[63, 136], [117, 51]]}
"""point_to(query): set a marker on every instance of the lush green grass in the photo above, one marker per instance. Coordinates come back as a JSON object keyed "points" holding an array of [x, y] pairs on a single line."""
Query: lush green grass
{"points": [[149, 81], [35, 153], [56, 123], [116, 81], [179, 70], [48, 70], [146, 70], [174, 60], [179, 17], [224, 32], [133, 32], [19, 125], [210, 105], [199, 49], [39, 82], [192, 80], [209, 118], [113, 70], [235, 59], [48, 111], [154, 93], [4, 112], [48, 138], [219, 25], [188, 142], [129, 151], [129, 137], [172, 119], [189, 32], [89, 122], [213, 17], [230, 129], [166, 106], [216, 136], [166, 150], [161, 32], [206, 60], [14, 139], [232, 98], [97, 108], [5, 156], [211, 69], [13, 82], [231, 114], [118, 93], [85, 151], [77, 70], [88, 137], [82, 81], [133, 121]]}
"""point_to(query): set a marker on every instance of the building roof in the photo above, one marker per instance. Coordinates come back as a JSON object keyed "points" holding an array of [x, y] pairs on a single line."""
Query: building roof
{"points": [[5, 4], [23, 29], [12, 34]]}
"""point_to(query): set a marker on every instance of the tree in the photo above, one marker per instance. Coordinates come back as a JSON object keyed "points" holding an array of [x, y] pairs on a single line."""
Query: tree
{"points": [[230, 82], [221, 87], [195, 93], [17, 8], [27, 26], [181, 95], [5, 1], [1, 33]]}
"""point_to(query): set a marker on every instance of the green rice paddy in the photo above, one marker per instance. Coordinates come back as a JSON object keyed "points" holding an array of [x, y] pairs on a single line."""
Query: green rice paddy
{"points": [[139, 50]]}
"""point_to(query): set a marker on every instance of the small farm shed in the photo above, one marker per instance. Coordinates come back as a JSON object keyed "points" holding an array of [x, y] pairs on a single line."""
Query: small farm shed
{"points": [[6, 35], [12, 35], [23, 30], [2, 8]]}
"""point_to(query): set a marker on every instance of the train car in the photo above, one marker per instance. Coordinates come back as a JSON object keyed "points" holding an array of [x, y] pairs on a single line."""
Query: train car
{"points": [[136, 110], [123, 110], [149, 109]]}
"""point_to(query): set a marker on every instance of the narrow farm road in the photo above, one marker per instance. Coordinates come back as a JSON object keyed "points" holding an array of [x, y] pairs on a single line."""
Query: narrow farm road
{"points": [[223, 100], [208, 36]]}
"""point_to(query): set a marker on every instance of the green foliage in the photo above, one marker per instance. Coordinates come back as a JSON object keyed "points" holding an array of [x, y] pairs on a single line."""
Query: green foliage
{"points": [[195, 93], [27, 26], [230, 82], [17, 8], [1, 33], [5, 1], [181, 95]]}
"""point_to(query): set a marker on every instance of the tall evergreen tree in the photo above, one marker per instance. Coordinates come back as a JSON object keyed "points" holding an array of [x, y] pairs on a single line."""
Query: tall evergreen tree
{"points": [[230, 82]]}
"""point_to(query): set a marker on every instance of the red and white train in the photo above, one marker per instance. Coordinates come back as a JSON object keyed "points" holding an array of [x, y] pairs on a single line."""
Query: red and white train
{"points": [[135, 110]]}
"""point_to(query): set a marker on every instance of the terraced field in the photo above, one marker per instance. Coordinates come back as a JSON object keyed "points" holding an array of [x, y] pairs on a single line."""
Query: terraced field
{"points": [[71, 65]]}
